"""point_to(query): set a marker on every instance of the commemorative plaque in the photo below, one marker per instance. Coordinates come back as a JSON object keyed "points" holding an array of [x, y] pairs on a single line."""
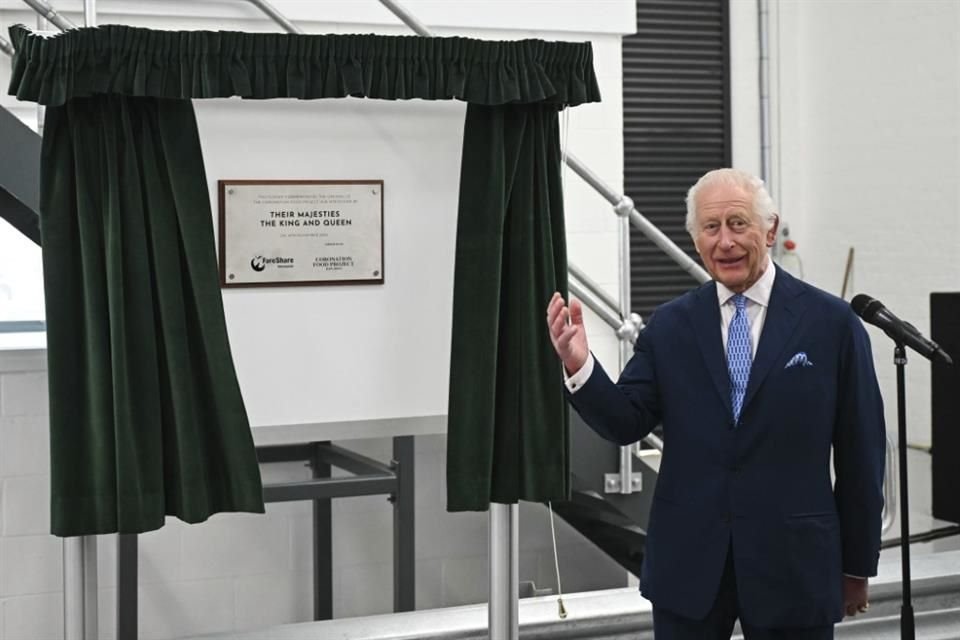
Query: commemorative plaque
{"points": [[300, 232]]}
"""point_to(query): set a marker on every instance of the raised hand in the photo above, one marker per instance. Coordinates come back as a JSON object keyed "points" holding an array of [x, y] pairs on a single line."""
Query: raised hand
{"points": [[567, 333]]}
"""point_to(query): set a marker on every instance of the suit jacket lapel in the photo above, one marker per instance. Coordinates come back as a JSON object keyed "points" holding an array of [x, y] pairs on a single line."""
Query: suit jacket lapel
{"points": [[706, 326], [783, 313]]}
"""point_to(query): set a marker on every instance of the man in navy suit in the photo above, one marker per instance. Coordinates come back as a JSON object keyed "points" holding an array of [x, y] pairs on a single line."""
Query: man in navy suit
{"points": [[756, 377]]}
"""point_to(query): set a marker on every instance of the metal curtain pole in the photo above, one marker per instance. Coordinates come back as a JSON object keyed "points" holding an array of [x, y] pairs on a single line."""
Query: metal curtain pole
{"points": [[504, 607], [504, 579], [80, 606]]}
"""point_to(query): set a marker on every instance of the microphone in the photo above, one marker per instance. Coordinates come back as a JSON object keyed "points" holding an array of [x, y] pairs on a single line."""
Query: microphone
{"points": [[873, 312]]}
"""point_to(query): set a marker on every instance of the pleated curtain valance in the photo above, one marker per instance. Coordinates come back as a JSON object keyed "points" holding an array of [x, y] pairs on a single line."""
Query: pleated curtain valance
{"points": [[130, 61]]}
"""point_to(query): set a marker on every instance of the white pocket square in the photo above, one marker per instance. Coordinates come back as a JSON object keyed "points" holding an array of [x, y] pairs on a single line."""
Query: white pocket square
{"points": [[799, 359]]}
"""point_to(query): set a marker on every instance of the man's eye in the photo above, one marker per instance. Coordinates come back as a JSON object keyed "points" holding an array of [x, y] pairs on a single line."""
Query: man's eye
{"points": [[737, 224]]}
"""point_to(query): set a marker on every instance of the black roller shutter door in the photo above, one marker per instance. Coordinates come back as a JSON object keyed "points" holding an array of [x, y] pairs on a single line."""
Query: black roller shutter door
{"points": [[676, 126]]}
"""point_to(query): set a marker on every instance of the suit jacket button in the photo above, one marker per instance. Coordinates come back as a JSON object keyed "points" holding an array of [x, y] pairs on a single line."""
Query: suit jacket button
{"points": [[725, 519]]}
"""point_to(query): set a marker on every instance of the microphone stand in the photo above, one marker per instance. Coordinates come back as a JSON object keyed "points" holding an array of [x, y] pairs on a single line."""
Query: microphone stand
{"points": [[907, 629]]}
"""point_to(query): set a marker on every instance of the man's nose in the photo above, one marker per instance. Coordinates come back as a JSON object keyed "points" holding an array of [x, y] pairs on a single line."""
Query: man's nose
{"points": [[726, 238]]}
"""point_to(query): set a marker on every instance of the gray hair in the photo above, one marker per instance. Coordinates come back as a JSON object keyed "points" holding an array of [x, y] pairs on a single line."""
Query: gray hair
{"points": [[763, 206]]}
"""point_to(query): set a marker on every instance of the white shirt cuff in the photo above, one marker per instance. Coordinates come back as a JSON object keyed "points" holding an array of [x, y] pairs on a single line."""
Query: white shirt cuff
{"points": [[580, 378]]}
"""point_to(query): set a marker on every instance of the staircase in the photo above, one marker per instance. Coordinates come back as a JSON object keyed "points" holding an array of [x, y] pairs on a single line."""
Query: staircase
{"points": [[20, 175], [615, 522]]}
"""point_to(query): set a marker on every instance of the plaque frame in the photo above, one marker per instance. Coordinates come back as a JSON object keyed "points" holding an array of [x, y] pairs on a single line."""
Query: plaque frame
{"points": [[222, 234]]}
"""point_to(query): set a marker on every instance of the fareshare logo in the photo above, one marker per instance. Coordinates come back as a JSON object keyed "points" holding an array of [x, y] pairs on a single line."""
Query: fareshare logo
{"points": [[259, 263]]}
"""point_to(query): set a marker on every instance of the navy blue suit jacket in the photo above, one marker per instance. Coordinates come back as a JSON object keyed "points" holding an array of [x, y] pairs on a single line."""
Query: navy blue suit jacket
{"points": [[763, 486]]}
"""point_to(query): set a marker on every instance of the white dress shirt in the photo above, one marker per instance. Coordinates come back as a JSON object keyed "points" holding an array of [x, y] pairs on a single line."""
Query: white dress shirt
{"points": [[758, 299]]}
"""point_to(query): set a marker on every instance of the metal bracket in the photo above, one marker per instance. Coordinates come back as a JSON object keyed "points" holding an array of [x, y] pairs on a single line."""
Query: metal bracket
{"points": [[611, 482], [630, 329], [624, 207]]}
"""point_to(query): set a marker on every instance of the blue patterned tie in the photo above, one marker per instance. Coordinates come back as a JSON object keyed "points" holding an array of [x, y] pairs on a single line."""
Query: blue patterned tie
{"points": [[739, 354]]}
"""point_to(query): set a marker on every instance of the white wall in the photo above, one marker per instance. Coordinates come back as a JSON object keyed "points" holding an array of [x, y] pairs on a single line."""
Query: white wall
{"points": [[247, 571], [744, 83], [867, 125]]}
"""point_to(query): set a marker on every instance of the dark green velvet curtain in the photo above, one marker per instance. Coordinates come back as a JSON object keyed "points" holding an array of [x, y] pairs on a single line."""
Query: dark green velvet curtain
{"points": [[508, 417], [146, 416], [145, 409]]}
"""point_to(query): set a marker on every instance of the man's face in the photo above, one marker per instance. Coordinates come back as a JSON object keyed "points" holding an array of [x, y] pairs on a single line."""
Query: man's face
{"points": [[730, 237]]}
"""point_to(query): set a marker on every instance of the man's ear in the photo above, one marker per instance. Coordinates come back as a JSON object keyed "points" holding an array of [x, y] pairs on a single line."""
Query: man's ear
{"points": [[772, 231]]}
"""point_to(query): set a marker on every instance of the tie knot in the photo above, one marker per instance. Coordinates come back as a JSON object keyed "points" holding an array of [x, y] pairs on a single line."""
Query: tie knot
{"points": [[739, 301]]}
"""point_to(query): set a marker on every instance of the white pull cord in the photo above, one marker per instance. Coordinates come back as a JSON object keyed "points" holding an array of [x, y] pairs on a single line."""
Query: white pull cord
{"points": [[556, 565], [564, 143]]}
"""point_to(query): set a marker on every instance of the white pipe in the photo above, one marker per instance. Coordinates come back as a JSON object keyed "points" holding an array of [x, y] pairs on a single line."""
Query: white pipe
{"points": [[51, 14], [626, 347], [591, 302], [80, 588], [407, 18], [504, 600], [763, 25], [592, 287], [277, 17]]}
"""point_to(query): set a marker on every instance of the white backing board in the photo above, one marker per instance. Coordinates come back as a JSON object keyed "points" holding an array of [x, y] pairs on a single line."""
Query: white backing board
{"points": [[365, 355]]}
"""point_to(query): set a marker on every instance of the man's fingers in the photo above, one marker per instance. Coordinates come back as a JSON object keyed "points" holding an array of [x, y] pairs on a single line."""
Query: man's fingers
{"points": [[564, 338], [558, 323], [576, 312], [555, 309]]}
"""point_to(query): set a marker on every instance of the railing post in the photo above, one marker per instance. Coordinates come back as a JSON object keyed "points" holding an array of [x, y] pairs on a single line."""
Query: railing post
{"points": [[626, 347]]}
